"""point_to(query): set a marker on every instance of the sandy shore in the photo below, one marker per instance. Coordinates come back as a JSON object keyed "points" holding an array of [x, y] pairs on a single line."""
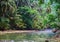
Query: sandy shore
{"points": [[16, 31]]}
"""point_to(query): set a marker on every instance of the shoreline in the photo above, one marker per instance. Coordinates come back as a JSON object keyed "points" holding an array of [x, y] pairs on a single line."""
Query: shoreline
{"points": [[21, 31], [16, 31]]}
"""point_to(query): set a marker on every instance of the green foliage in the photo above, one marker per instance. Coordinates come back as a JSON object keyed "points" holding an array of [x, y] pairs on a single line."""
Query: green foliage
{"points": [[4, 23], [19, 22], [7, 10], [29, 14], [50, 15]]}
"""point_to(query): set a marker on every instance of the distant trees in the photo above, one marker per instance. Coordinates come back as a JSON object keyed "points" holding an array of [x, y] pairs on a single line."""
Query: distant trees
{"points": [[29, 14]]}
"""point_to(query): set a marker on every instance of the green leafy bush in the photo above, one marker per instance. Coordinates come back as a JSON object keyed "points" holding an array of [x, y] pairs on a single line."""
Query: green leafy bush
{"points": [[4, 23], [30, 17]]}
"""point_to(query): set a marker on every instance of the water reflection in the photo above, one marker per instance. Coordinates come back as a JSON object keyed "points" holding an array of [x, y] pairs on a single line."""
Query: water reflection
{"points": [[7, 41], [16, 41]]}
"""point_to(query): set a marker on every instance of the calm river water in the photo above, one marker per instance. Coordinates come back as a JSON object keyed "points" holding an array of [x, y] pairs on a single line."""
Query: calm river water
{"points": [[39, 36]]}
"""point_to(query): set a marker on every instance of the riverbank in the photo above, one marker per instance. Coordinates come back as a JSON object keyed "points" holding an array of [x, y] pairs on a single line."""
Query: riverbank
{"points": [[16, 31], [27, 31]]}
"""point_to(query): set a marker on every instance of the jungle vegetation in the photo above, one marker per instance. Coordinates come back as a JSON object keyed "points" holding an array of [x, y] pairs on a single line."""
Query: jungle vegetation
{"points": [[29, 14]]}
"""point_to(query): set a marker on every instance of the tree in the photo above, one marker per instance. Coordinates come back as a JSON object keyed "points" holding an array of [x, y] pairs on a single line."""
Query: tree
{"points": [[50, 13], [7, 10]]}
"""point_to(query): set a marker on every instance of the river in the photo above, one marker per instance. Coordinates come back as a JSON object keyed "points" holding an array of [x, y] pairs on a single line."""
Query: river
{"points": [[37, 36]]}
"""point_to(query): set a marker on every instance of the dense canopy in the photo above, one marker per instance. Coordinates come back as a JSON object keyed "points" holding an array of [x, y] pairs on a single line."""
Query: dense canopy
{"points": [[29, 14]]}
